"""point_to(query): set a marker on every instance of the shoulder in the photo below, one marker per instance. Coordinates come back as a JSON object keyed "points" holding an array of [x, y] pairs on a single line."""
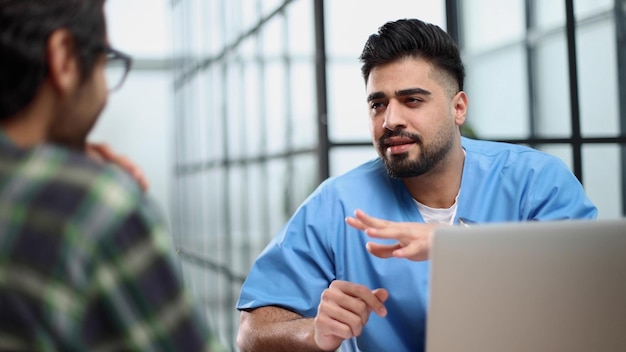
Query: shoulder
{"points": [[509, 155], [368, 173], [74, 190], [98, 180], [368, 179], [368, 187]]}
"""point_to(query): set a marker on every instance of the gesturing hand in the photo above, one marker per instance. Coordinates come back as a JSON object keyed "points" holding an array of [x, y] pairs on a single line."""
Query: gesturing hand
{"points": [[102, 152], [413, 238], [344, 310]]}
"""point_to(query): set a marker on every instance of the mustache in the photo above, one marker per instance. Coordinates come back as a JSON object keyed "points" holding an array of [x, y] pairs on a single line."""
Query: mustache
{"points": [[399, 133]]}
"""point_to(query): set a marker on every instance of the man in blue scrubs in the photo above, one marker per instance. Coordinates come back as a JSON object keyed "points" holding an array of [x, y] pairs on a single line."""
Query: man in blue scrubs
{"points": [[336, 261]]}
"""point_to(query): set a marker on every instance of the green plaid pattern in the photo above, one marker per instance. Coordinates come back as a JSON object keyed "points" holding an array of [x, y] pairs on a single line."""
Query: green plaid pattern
{"points": [[85, 263]]}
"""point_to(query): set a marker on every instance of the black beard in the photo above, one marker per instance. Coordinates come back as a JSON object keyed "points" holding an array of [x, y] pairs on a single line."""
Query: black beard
{"points": [[400, 166]]}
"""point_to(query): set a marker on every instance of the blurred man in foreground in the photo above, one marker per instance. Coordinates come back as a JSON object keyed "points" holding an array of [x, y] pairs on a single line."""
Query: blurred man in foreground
{"points": [[85, 262]]}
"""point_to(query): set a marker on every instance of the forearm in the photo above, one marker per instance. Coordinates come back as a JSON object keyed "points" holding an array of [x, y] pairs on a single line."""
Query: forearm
{"points": [[259, 332]]}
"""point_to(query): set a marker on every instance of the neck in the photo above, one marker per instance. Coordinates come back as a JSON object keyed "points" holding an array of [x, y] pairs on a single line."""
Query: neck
{"points": [[439, 187], [29, 126]]}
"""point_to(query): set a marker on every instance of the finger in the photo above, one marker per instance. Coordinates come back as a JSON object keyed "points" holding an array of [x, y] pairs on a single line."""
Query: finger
{"points": [[107, 154], [103, 150], [141, 179], [382, 296], [93, 152], [347, 310], [382, 250], [361, 292], [416, 250], [332, 319], [398, 231], [133, 169], [344, 307], [356, 223], [369, 221]]}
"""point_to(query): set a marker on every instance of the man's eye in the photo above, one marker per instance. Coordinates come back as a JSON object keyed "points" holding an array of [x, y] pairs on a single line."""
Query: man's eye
{"points": [[412, 100], [376, 105]]}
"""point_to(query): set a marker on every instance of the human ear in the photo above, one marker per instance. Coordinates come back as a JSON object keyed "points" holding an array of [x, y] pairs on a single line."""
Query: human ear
{"points": [[63, 66], [459, 107]]}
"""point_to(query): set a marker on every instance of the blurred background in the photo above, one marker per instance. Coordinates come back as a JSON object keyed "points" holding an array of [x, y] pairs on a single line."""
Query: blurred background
{"points": [[237, 109]]}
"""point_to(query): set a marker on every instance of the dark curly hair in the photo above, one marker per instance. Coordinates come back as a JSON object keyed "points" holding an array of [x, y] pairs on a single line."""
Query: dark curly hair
{"points": [[413, 38], [25, 26]]}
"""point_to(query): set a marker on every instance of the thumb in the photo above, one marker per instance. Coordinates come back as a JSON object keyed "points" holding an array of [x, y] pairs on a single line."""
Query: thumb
{"points": [[381, 294]]}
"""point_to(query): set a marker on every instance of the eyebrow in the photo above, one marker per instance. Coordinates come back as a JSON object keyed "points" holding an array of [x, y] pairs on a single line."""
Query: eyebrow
{"points": [[400, 93], [412, 91]]}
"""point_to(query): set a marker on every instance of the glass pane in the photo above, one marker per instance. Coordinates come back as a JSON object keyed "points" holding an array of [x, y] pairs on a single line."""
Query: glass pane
{"points": [[301, 33], [586, 8], [213, 204], [347, 40], [548, 14], [269, 6], [496, 86], [488, 24], [597, 78], [247, 49], [238, 210], [551, 14], [250, 14], [257, 214], [178, 20], [216, 205], [562, 151], [252, 94], [551, 82], [181, 215], [348, 118], [211, 115], [304, 179], [151, 39], [231, 21], [274, 37], [275, 107], [347, 158], [216, 37], [144, 104], [602, 177], [303, 105], [235, 122], [277, 195]]}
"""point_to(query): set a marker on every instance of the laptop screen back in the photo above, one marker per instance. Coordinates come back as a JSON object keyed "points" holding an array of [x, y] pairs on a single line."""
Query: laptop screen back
{"points": [[541, 286]]}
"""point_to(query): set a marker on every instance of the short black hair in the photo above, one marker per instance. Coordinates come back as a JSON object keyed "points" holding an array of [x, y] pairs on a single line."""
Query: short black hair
{"points": [[25, 26], [413, 38]]}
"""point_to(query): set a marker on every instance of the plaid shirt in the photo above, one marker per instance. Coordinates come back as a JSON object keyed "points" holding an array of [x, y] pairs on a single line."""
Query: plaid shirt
{"points": [[85, 264]]}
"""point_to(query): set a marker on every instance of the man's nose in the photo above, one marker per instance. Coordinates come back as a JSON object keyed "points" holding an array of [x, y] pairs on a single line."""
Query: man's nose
{"points": [[394, 116]]}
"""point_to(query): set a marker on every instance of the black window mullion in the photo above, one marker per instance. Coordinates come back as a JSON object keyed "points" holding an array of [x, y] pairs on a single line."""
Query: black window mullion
{"points": [[322, 92], [620, 28], [452, 20], [529, 46], [570, 25]]}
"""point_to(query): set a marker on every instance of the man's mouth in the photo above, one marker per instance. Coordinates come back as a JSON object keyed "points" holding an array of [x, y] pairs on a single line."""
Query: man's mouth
{"points": [[398, 145]]}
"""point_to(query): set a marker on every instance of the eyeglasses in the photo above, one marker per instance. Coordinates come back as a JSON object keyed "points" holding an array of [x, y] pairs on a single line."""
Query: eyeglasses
{"points": [[116, 68]]}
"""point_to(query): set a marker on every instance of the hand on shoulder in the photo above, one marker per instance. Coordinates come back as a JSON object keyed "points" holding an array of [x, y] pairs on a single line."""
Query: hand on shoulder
{"points": [[102, 152]]}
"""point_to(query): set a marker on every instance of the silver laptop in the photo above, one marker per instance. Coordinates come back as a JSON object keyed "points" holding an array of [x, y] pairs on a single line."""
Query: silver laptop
{"points": [[532, 287]]}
